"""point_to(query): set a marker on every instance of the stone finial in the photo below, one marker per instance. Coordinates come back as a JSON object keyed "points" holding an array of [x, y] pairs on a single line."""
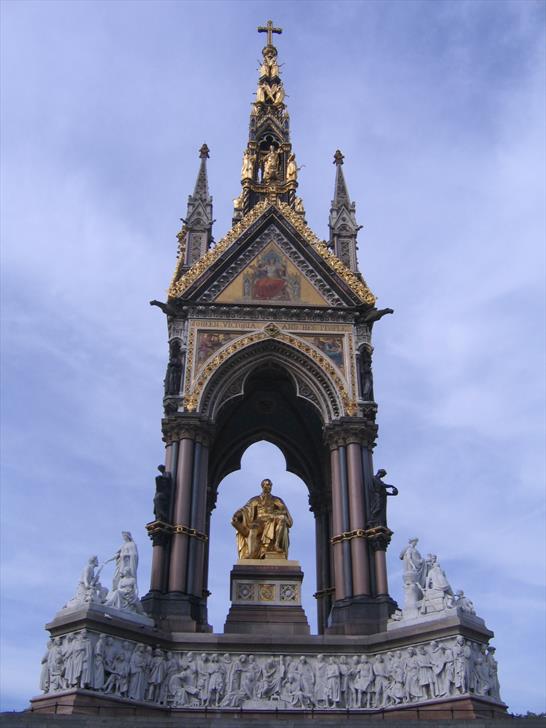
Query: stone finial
{"points": [[338, 158], [204, 152]]}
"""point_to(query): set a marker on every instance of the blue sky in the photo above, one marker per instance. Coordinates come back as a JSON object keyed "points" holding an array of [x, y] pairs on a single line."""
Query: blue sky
{"points": [[439, 110]]}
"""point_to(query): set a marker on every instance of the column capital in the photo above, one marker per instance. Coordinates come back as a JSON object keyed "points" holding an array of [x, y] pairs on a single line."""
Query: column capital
{"points": [[348, 430], [159, 532], [182, 426], [379, 537]]}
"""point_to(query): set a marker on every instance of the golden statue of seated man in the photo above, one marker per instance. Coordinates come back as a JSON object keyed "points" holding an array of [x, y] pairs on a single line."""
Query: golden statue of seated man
{"points": [[262, 526]]}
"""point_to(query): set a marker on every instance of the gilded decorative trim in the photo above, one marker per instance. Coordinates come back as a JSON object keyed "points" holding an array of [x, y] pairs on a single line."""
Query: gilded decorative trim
{"points": [[357, 285], [191, 532], [191, 400], [378, 533], [184, 282]]}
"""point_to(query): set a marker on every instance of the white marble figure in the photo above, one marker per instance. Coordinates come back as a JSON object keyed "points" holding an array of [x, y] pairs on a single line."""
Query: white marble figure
{"points": [[155, 676], [125, 595], [98, 664], [463, 603], [89, 589], [126, 558], [44, 671], [437, 594]]}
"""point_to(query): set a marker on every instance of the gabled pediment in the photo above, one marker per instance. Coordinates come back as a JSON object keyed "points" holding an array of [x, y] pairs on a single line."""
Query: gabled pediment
{"points": [[271, 257]]}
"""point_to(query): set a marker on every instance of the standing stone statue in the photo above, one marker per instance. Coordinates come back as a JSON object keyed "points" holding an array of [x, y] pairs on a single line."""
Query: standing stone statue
{"points": [[262, 526], [162, 497], [173, 376], [366, 375], [378, 499], [126, 558]]}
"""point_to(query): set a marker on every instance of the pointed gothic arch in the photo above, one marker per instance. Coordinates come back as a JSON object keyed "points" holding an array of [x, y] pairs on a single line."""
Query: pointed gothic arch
{"points": [[311, 379]]}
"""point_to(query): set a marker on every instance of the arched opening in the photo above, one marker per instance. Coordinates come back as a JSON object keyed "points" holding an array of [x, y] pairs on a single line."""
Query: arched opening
{"points": [[260, 460], [271, 392]]}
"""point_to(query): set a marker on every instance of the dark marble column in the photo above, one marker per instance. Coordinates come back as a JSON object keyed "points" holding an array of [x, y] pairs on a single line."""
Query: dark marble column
{"points": [[337, 525], [198, 522], [346, 519], [359, 546], [322, 544], [181, 515]]}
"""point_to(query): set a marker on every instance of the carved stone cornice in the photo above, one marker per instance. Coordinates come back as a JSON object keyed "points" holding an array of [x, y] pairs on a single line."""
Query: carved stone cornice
{"points": [[347, 430], [181, 426], [235, 311]]}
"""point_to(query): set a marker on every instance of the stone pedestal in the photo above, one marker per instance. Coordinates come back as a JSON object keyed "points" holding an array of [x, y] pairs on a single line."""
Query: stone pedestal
{"points": [[266, 598]]}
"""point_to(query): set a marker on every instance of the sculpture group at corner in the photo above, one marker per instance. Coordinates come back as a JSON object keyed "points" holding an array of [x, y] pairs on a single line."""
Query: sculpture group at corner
{"points": [[426, 587], [123, 594]]}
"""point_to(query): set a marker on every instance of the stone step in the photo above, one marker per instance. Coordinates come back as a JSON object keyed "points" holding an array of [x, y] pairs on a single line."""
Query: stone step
{"points": [[181, 720]]}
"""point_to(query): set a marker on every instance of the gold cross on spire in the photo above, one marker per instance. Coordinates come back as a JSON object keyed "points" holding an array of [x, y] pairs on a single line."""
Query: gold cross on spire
{"points": [[269, 29]]}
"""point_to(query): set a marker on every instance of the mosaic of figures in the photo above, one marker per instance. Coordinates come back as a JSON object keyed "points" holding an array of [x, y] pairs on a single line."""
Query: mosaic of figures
{"points": [[331, 345], [271, 278], [204, 343], [105, 664], [208, 343]]}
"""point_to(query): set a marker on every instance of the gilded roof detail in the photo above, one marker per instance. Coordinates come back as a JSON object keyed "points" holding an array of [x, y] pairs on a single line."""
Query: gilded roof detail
{"points": [[181, 283]]}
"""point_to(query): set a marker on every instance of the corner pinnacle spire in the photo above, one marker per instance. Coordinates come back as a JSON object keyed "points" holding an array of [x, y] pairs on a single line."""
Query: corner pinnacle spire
{"points": [[342, 223], [196, 234]]}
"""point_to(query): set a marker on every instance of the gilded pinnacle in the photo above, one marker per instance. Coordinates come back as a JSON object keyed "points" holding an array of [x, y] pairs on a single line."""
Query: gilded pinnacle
{"points": [[338, 157], [269, 29]]}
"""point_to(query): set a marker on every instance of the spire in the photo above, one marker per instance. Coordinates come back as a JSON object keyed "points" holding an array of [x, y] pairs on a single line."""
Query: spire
{"points": [[197, 228], [269, 167], [342, 223], [201, 190]]}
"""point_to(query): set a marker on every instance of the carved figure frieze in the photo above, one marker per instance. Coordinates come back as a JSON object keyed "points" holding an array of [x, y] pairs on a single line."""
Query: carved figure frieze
{"points": [[442, 668]]}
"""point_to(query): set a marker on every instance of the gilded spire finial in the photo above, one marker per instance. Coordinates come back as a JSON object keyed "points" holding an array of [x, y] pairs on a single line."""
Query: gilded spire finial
{"points": [[338, 158], [269, 29]]}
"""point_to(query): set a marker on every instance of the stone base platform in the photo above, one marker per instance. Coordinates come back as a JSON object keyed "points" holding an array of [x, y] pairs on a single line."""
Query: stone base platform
{"points": [[266, 598], [37, 720], [101, 665], [85, 702]]}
